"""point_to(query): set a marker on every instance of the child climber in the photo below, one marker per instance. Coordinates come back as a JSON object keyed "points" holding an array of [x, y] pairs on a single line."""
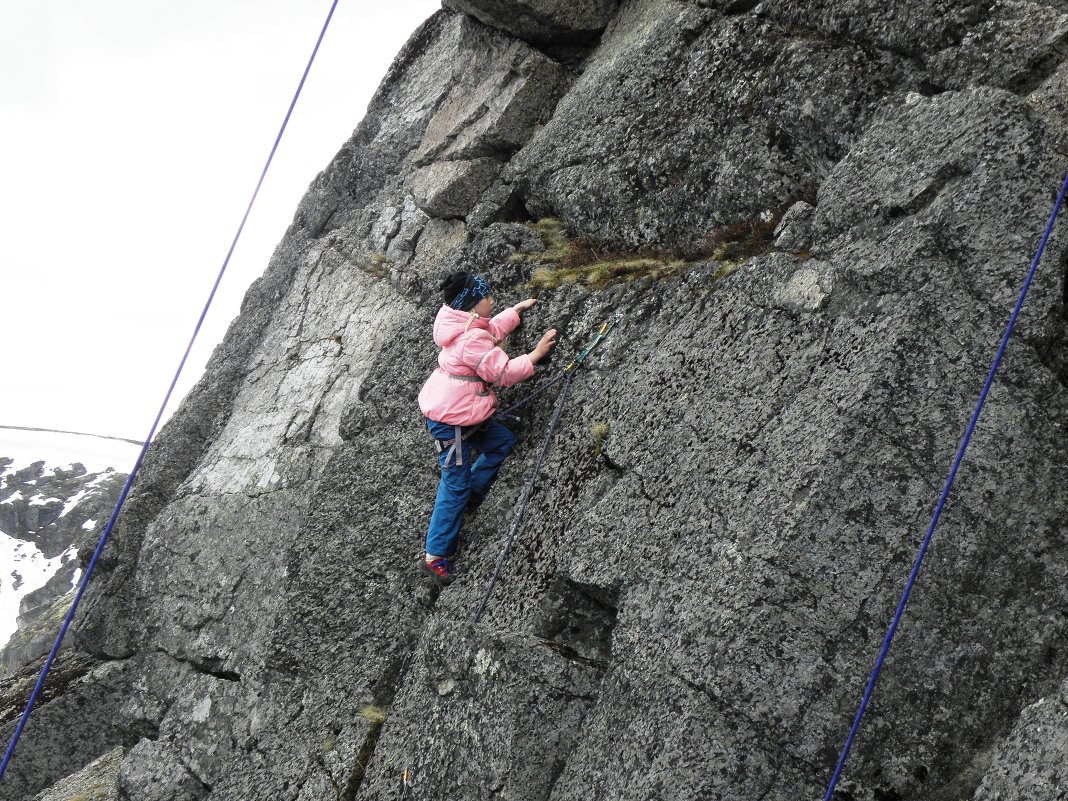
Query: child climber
{"points": [[459, 402]]}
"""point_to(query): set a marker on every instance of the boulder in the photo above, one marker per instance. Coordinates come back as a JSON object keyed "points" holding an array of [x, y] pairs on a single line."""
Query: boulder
{"points": [[450, 189]]}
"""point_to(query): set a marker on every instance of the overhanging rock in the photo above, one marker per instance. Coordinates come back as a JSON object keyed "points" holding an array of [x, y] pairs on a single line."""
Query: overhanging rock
{"points": [[541, 20], [451, 189]]}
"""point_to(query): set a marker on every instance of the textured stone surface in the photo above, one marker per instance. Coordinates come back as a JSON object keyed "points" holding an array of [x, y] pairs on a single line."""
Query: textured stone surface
{"points": [[485, 715], [78, 722], [1034, 761], [97, 781], [794, 231], [1016, 47], [494, 112], [153, 771], [683, 121], [912, 29], [741, 476], [452, 188], [466, 92]]}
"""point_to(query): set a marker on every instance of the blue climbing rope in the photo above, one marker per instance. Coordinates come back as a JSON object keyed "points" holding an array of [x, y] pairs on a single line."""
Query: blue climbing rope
{"points": [[534, 394], [945, 494], [565, 375], [527, 490], [148, 440]]}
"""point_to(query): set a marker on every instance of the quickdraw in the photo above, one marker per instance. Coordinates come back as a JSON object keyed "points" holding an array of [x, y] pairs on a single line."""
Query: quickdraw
{"points": [[607, 326]]}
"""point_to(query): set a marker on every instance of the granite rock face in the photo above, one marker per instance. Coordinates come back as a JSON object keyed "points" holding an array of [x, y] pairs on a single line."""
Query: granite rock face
{"points": [[742, 473], [95, 782], [1034, 760], [684, 121]]}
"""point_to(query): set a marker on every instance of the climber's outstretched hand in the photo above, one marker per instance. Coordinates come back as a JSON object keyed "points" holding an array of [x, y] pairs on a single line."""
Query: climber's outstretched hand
{"points": [[544, 347], [524, 305]]}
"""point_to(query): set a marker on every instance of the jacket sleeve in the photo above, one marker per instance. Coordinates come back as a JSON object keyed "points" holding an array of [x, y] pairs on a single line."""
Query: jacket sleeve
{"points": [[492, 364], [501, 325]]}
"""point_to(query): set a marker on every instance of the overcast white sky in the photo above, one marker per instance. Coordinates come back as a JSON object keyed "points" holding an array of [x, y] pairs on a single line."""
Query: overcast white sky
{"points": [[132, 133]]}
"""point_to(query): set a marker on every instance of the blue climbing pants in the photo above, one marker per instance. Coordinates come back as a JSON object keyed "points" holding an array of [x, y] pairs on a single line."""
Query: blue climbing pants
{"points": [[464, 483]]}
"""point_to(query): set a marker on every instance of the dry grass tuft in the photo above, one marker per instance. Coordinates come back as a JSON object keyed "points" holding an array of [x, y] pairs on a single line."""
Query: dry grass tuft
{"points": [[596, 264]]}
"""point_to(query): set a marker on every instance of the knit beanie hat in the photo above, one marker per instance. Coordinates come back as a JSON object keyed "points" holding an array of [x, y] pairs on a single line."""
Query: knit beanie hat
{"points": [[463, 291]]}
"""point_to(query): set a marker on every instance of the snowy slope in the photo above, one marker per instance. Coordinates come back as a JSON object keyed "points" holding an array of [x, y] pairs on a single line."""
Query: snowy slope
{"points": [[24, 568]]}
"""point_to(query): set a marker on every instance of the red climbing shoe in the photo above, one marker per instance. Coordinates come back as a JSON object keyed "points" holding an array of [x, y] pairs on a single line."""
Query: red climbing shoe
{"points": [[440, 570]]}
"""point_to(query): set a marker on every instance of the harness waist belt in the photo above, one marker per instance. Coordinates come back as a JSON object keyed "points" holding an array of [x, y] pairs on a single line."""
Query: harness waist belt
{"points": [[474, 378]]}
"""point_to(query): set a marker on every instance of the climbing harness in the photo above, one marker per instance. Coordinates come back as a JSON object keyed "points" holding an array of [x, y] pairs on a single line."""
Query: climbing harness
{"points": [[566, 375], [453, 445], [945, 494], [148, 440]]}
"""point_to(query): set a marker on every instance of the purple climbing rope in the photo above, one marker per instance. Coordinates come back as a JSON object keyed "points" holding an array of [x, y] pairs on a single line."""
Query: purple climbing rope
{"points": [[945, 494], [148, 440]]}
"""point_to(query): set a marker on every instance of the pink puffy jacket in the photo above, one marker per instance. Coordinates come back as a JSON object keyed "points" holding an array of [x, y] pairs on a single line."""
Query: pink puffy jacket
{"points": [[458, 393]]}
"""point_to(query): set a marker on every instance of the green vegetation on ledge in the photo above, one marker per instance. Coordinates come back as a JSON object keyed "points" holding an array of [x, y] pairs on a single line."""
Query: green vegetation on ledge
{"points": [[584, 260]]}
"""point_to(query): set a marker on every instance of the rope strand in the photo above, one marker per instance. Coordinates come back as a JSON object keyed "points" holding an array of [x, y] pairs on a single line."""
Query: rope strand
{"points": [[942, 500], [527, 490], [148, 440]]}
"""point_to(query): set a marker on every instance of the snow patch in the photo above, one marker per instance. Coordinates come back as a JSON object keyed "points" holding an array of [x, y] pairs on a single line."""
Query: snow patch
{"points": [[41, 500], [23, 568], [73, 501], [100, 479]]}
